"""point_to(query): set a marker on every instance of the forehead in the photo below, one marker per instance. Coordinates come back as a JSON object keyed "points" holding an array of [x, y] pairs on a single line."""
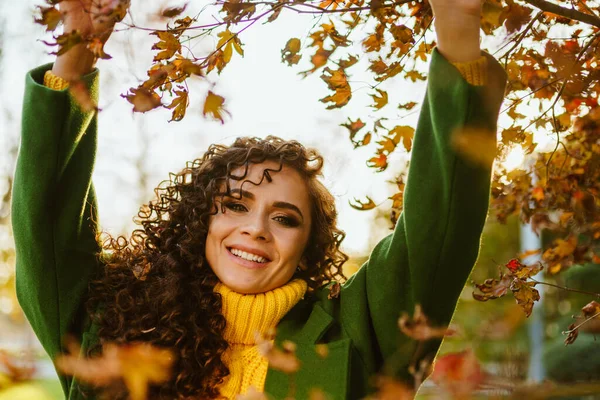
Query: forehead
{"points": [[268, 178]]}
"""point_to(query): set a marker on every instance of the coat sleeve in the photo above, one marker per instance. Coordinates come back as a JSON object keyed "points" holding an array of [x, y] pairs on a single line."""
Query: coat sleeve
{"points": [[428, 257], [54, 209]]}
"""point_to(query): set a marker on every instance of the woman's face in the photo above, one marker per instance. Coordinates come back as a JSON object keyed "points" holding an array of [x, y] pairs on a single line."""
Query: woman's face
{"points": [[255, 243]]}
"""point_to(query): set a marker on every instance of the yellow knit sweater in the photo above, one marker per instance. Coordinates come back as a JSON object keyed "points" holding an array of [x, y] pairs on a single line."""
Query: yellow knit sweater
{"points": [[247, 315]]}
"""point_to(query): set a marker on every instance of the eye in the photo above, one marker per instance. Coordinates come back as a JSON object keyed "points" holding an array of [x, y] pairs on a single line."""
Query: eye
{"points": [[287, 221], [236, 207]]}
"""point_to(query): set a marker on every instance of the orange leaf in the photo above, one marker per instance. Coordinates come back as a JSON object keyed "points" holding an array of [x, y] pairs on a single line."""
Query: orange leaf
{"points": [[96, 46], [82, 96], [143, 99], [458, 373], [283, 359], [138, 365], [379, 162]]}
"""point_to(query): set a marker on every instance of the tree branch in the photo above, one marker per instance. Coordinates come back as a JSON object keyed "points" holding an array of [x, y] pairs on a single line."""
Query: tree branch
{"points": [[565, 12]]}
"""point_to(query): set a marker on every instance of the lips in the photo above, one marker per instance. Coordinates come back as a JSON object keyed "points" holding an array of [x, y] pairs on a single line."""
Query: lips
{"points": [[250, 251], [250, 264]]}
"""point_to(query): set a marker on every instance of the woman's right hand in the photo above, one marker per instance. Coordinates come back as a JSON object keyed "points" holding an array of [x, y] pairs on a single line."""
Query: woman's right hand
{"points": [[90, 18]]}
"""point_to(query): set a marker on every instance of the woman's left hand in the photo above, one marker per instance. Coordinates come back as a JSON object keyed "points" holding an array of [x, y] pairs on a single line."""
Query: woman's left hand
{"points": [[457, 25]]}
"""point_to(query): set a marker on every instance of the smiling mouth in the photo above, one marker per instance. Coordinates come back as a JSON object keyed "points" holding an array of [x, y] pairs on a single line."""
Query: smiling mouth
{"points": [[247, 256]]}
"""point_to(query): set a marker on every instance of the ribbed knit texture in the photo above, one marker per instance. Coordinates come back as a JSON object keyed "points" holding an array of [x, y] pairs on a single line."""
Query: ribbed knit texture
{"points": [[474, 72], [247, 315], [55, 82]]}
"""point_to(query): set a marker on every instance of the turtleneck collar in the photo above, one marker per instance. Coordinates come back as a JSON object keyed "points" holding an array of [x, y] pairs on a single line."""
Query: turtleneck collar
{"points": [[247, 314]]}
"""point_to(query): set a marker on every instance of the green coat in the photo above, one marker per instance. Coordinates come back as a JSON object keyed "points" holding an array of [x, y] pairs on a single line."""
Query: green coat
{"points": [[426, 260]]}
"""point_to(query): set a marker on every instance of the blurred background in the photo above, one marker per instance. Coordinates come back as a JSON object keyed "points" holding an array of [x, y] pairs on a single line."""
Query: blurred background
{"points": [[137, 151]]}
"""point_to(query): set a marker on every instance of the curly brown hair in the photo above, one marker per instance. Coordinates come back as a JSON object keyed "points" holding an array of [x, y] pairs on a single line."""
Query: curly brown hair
{"points": [[157, 287]]}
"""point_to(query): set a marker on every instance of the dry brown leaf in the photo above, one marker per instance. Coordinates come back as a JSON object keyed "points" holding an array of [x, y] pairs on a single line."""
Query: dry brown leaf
{"points": [[418, 327]]}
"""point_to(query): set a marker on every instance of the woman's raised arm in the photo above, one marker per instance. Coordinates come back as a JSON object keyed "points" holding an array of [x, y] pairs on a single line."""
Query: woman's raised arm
{"points": [[428, 257], [54, 205]]}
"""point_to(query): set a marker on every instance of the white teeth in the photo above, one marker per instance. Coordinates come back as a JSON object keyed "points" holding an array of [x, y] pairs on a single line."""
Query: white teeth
{"points": [[247, 256]]}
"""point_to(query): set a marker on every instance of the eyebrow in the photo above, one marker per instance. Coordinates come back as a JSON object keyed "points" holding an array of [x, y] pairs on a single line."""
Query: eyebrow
{"points": [[277, 204]]}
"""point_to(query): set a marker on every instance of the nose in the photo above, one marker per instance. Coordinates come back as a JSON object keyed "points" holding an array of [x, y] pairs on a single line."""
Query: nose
{"points": [[257, 227]]}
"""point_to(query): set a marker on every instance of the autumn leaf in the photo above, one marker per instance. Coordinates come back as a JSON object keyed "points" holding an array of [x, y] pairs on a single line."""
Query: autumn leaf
{"points": [[227, 42], [407, 106], [17, 369], [289, 53], [96, 46], [169, 45], [404, 134], [347, 62], [538, 193], [216, 60], [525, 294], [173, 11], [516, 16], [51, 17], [392, 389], [381, 100], [334, 290], [283, 359], [476, 145], [458, 373], [368, 204], [237, 10], [573, 333], [354, 127], [418, 327], [65, 42], [81, 94], [379, 162], [337, 81], [137, 364], [322, 350], [415, 75], [143, 99], [213, 105], [493, 288], [179, 105]]}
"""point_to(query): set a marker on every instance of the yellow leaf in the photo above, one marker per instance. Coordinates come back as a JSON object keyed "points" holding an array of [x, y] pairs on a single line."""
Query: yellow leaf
{"points": [[227, 42], [290, 52], [415, 75], [476, 145], [368, 204], [404, 133], [51, 17], [168, 43], [179, 104], [213, 105], [381, 100]]}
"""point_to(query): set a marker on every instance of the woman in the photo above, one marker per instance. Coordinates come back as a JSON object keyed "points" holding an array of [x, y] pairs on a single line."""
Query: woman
{"points": [[245, 239]]}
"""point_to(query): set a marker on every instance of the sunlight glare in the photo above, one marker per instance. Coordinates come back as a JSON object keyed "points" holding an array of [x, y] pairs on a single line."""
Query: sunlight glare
{"points": [[514, 159]]}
